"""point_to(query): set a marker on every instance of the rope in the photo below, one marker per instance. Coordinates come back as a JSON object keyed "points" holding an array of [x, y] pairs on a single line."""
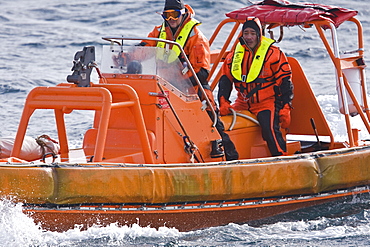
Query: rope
{"points": [[44, 147]]}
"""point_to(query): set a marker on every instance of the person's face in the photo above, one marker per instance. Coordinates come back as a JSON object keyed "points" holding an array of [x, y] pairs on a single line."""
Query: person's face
{"points": [[173, 17], [250, 36], [175, 23]]}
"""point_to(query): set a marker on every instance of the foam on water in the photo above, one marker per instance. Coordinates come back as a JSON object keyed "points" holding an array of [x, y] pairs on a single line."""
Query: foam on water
{"points": [[18, 229]]}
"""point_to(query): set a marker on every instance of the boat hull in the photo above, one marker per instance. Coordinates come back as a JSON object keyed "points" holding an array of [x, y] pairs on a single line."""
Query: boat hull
{"points": [[184, 196], [184, 217]]}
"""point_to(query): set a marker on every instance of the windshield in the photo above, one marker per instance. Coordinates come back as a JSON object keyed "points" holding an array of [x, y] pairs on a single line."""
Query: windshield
{"points": [[147, 61]]}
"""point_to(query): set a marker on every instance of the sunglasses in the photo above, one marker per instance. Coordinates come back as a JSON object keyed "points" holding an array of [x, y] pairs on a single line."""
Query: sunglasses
{"points": [[172, 14]]}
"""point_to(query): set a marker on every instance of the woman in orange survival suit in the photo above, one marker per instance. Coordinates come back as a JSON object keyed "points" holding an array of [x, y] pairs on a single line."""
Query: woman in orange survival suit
{"points": [[261, 75]]}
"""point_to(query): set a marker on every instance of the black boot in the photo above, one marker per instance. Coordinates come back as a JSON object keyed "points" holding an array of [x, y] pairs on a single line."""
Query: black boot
{"points": [[228, 145], [217, 151]]}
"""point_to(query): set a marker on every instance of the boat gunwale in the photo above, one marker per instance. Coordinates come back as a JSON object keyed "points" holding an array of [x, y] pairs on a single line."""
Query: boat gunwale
{"points": [[265, 160]]}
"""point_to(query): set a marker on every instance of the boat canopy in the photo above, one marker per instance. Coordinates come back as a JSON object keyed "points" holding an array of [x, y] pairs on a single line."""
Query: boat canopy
{"points": [[285, 13]]}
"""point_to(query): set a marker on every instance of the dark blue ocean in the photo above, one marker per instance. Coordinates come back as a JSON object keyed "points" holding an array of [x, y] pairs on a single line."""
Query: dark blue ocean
{"points": [[38, 42]]}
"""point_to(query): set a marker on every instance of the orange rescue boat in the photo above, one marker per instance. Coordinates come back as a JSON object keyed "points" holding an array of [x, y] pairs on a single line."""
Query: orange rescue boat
{"points": [[147, 157]]}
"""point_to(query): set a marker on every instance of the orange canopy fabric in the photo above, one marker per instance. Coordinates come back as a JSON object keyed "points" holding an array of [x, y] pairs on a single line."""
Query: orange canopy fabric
{"points": [[291, 14]]}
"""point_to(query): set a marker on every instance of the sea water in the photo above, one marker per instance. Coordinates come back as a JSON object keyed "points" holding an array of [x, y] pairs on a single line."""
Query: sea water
{"points": [[38, 43]]}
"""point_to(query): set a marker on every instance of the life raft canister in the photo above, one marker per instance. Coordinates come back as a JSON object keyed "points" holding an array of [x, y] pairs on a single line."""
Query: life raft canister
{"points": [[257, 63], [181, 38]]}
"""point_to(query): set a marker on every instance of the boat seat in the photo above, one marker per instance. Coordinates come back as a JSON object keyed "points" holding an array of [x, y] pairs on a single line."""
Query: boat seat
{"points": [[240, 122], [119, 143], [246, 124]]}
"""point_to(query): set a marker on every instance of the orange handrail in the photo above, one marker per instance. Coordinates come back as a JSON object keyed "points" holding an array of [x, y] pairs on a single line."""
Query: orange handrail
{"points": [[361, 53], [357, 105], [66, 99], [342, 79], [336, 62], [135, 107], [220, 56]]}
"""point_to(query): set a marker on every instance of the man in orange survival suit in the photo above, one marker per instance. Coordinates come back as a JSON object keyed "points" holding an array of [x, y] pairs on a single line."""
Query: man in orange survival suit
{"points": [[261, 75], [180, 26]]}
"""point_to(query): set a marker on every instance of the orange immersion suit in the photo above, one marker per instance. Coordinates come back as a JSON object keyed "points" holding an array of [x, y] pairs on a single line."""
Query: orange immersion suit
{"points": [[196, 47], [268, 96]]}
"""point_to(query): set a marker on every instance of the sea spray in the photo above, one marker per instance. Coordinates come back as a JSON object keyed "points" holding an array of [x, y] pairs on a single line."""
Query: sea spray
{"points": [[17, 229]]}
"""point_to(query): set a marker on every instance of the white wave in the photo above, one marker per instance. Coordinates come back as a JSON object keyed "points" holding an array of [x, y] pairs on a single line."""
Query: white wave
{"points": [[18, 229], [313, 231]]}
